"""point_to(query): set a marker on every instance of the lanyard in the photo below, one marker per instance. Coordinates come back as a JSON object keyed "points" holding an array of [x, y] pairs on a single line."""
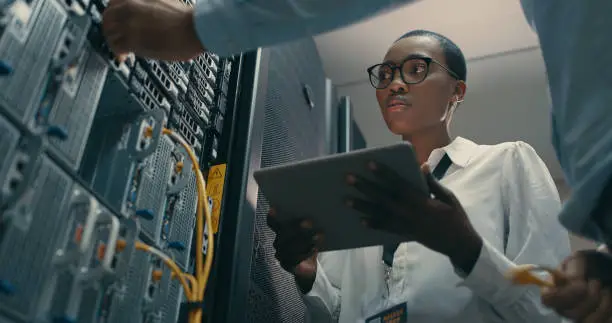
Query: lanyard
{"points": [[438, 173]]}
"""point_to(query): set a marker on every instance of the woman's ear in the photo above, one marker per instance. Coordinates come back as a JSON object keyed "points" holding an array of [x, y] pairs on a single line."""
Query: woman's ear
{"points": [[460, 89]]}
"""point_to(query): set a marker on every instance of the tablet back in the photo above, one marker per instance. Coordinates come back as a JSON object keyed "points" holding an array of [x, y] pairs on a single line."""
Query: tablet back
{"points": [[317, 189]]}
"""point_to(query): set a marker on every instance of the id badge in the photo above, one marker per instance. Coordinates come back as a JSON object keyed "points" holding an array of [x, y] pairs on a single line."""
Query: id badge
{"points": [[395, 314]]}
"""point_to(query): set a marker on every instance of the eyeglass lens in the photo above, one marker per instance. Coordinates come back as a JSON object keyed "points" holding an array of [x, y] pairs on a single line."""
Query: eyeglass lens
{"points": [[412, 71]]}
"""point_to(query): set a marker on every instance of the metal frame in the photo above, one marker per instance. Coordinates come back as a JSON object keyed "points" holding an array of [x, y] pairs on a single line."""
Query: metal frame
{"points": [[235, 239], [345, 125], [331, 119]]}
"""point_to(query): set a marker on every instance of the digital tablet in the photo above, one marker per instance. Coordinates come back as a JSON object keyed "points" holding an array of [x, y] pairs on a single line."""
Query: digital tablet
{"points": [[317, 189]]}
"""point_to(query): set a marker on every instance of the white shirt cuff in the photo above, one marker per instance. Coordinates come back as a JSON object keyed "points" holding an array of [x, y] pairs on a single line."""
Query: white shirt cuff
{"points": [[322, 292], [488, 279]]}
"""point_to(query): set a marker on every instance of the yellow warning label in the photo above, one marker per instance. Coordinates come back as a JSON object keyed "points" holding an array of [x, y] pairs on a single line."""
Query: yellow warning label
{"points": [[214, 190]]}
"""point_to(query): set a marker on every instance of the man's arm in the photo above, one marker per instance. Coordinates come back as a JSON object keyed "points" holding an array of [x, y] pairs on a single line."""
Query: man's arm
{"points": [[225, 27], [228, 27], [534, 237], [575, 42]]}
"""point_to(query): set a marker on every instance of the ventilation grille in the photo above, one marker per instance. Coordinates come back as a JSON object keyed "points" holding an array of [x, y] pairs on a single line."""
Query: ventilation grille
{"points": [[76, 113], [26, 257], [183, 220], [22, 89], [292, 131], [153, 184], [10, 137]]}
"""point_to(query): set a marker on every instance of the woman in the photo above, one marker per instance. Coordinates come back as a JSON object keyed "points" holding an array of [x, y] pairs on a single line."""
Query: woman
{"points": [[501, 212]]}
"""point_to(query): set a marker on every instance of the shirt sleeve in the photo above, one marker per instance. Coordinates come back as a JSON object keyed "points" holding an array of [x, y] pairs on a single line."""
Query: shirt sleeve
{"points": [[572, 33], [534, 237], [323, 300], [229, 27]]}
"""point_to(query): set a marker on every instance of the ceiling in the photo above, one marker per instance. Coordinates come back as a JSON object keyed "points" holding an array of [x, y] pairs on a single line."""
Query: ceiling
{"points": [[507, 95]]}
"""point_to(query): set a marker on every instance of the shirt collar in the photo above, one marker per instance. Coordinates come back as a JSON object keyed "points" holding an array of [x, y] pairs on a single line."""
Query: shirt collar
{"points": [[460, 151]]}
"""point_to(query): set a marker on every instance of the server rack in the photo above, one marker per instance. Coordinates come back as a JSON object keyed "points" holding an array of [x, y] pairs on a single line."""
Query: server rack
{"points": [[84, 166], [290, 114]]}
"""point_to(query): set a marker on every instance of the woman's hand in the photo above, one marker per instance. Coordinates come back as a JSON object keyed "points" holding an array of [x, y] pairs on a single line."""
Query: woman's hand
{"points": [[437, 221], [296, 249]]}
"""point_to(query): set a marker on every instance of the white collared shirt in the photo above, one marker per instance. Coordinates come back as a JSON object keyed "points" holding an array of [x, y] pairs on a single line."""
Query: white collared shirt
{"points": [[501, 187]]}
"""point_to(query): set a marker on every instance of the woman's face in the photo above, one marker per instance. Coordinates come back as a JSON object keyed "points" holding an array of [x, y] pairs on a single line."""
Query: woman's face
{"points": [[412, 108]]}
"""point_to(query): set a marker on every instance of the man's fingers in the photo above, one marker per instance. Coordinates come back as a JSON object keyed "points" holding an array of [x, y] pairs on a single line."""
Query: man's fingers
{"points": [[117, 13], [603, 313], [565, 297], [582, 301]]}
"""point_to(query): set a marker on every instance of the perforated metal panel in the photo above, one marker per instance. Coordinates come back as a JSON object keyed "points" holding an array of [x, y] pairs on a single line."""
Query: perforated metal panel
{"points": [[293, 130], [26, 257], [182, 222], [10, 137], [75, 111], [126, 305], [28, 51], [154, 179], [170, 310]]}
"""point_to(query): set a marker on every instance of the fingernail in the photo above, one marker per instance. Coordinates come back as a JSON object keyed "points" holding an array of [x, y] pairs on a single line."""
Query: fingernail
{"points": [[351, 179], [372, 165]]}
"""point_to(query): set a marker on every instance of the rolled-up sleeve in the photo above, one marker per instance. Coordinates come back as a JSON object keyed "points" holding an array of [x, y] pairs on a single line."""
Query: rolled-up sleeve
{"points": [[534, 237], [229, 27]]}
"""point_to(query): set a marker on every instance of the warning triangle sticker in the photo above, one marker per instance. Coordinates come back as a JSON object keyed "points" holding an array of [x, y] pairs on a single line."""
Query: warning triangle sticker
{"points": [[216, 173]]}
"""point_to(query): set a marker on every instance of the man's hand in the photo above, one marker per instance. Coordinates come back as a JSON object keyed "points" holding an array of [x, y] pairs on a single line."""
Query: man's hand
{"points": [[584, 294], [157, 29], [439, 223], [296, 249]]}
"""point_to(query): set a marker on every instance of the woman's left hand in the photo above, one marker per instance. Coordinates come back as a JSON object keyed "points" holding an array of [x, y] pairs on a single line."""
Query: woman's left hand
{"points": [[438, 221]]}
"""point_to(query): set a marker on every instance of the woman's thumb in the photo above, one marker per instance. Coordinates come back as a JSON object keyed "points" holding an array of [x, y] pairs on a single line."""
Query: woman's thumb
{"points": [[439, 191]]}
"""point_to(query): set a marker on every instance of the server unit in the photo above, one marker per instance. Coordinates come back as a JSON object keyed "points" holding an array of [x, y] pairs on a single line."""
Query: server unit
{"points": [[289, 115]]}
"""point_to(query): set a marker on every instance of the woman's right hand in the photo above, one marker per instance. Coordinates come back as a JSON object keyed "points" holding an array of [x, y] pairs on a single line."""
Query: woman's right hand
{"points": [[296, 248]]}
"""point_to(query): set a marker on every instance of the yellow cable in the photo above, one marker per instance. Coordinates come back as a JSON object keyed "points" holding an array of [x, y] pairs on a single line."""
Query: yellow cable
{"points": [[202, 268], [170, 263], [193, 283], [195, 291], [178, 273]]}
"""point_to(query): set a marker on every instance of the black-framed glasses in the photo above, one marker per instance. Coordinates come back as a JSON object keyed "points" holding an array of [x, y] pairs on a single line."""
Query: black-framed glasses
{"points": [[413, 71]]}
